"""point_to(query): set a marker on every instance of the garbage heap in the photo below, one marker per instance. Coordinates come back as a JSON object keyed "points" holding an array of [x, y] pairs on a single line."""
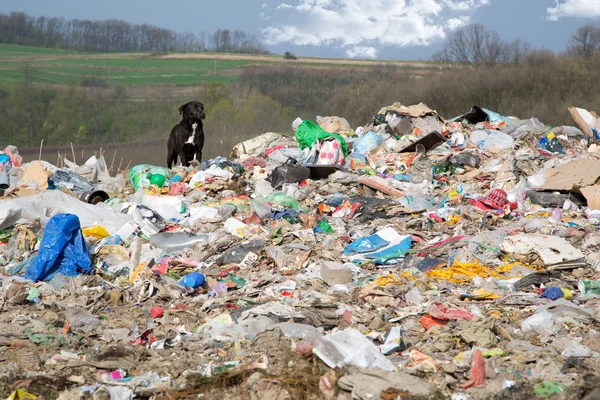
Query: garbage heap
{"points": [[414, 257]]}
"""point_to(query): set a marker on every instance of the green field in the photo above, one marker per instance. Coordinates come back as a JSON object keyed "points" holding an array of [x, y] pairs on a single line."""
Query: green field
{"points": [[70, 68]]}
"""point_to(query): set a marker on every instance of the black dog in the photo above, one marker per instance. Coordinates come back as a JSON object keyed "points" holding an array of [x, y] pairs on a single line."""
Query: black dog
{"points": [[187, 137]]}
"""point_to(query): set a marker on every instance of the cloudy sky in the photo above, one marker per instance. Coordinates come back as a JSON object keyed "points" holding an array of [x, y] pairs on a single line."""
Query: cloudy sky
{"points": [[394, 29]]}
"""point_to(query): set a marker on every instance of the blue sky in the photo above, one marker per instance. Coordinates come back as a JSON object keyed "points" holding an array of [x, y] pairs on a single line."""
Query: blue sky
{"points": [[395, 29]]}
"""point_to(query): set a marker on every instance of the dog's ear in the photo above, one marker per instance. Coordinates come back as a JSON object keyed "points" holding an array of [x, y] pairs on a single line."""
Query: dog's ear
{"points": [[182, 108]]}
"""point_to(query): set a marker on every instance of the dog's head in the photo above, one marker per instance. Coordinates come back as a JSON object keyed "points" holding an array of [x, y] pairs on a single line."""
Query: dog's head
{"points": [[192, 111]]}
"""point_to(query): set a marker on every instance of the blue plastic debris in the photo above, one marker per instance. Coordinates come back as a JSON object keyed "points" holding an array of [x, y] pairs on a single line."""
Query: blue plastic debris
{"points": [[193, 280], [63, 249]]}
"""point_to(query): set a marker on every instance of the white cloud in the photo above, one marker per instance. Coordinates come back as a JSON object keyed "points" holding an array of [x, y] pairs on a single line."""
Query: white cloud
{"points": [[363, 26], [361, 52], [574, 8], [455, 23]]}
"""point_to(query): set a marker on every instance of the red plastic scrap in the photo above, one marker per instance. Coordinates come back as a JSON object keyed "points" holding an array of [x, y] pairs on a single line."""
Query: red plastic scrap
{"points": [[428, 321], [273, 149], [477, 371], [442, 312], [227, 271]]}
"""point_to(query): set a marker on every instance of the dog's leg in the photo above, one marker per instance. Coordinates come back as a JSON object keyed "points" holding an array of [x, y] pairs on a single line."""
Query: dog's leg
{"points": [[199, 146], [184, 160], [171, 158]]}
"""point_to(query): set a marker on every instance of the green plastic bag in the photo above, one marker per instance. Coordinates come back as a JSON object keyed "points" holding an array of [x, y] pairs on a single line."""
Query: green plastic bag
{"points": [[284, 200], [308, 132], [138, 174]]}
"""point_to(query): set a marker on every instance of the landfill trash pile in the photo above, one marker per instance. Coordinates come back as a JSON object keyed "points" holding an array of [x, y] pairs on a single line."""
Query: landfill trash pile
{"points": [[413, 257]]}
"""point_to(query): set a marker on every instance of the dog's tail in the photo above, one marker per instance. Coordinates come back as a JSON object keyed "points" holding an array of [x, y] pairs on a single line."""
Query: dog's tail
{"points": [[171, 159]]}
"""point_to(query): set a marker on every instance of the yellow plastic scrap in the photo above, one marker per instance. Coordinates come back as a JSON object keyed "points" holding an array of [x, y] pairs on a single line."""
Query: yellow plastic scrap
{"points": [[462, 272], [383, 280], [20, 394], [99, 232]]}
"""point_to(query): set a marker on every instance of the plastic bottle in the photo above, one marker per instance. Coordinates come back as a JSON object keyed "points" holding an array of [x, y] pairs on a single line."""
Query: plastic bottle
{"points": [[589, 287], [136, 252], [175, 241], [177, 178]]}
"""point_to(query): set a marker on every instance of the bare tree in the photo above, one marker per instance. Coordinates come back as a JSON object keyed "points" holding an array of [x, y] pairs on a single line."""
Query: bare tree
{"points": [[475, 45], [585, 42]]}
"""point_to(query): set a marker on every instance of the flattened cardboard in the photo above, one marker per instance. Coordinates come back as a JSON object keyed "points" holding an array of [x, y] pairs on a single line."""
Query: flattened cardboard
{"points": [[585, 120], [592, 195], [35, 171], [573, 176]]}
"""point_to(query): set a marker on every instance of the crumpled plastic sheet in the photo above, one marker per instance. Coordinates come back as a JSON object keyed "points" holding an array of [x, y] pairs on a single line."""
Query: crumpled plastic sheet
{"points": [[63, 250]]}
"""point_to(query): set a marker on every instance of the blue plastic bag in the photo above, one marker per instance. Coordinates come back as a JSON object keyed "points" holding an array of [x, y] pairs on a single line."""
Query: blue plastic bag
{"points": [[366, 142], [366, 244], [63, 250]]}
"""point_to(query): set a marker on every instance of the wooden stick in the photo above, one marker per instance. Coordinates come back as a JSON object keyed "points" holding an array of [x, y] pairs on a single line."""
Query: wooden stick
{"points": [[41, 147], [120, 165], [73, 151], [128, 165], [82, 154], [101, 152], [57, 158], [112, 163]]}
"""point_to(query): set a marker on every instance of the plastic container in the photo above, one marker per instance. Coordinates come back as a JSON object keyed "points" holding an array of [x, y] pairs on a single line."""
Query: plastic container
{"points": [[193, 280], [176, 241], [4, 180]]}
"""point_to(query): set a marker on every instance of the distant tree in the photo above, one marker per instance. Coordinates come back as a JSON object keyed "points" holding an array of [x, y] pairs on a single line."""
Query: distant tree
{"points": [[585, 42], [289, 56], [475, 45], [117, 36]]}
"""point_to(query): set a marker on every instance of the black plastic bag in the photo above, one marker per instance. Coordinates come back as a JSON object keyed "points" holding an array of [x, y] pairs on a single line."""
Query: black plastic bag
{"points": [[290, 172]]}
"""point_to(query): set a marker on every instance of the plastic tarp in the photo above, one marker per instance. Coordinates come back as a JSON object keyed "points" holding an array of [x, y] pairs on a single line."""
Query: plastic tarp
{"points": [[308, 132], [47, 204], [63, 250]]}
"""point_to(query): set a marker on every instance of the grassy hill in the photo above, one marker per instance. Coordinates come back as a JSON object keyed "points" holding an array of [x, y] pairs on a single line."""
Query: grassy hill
{"points": [[70, 68]]}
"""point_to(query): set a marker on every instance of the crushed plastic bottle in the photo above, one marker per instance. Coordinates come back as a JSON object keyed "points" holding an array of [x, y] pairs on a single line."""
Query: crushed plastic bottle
{"points": [[176, 241]]}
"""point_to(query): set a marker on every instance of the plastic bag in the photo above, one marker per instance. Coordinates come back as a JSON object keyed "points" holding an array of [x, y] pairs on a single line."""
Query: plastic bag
{"points": [[290, 172], [63, 250], [138, 175], [330, 153], [284, 200], [350, 347], [308, 132], [487, 139], [542, 323], [366, 142], [71, 180]]}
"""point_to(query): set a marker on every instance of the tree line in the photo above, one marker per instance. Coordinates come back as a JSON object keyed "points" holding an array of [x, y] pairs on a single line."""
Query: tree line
{"points": [[474, 45], [114, 35]]}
